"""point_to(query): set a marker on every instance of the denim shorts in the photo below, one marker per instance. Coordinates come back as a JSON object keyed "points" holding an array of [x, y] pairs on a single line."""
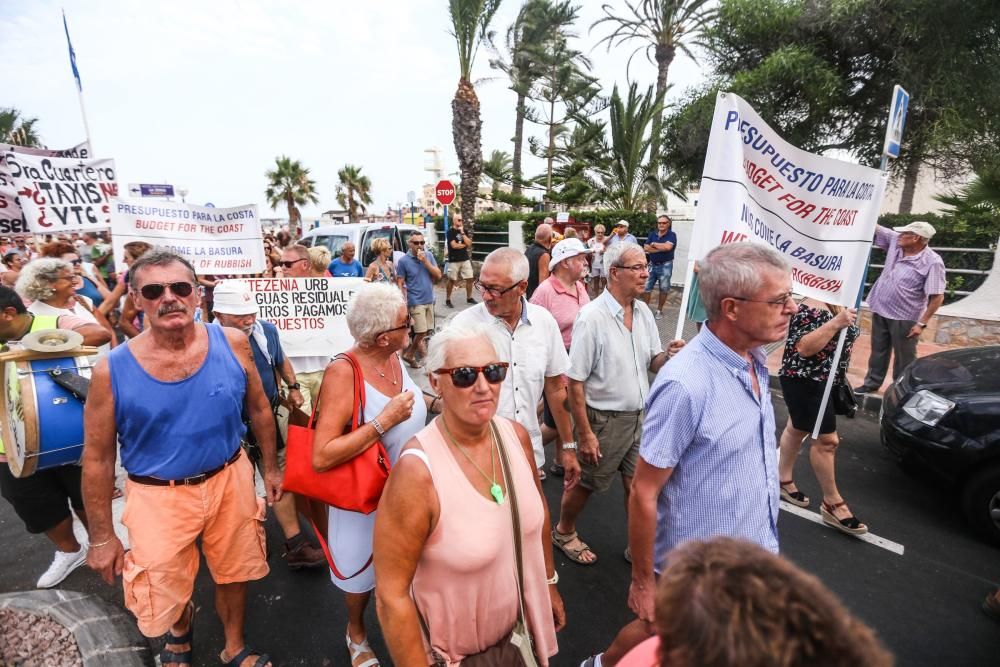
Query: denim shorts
{"points": [[660, 273]]}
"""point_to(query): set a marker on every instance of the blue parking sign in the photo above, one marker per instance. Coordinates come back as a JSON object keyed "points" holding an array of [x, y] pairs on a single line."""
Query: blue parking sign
{"points": [[897, 118]]}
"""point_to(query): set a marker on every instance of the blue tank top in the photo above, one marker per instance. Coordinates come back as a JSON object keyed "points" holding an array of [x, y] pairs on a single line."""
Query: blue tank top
{"points": [[173, 430], [89, 289]]}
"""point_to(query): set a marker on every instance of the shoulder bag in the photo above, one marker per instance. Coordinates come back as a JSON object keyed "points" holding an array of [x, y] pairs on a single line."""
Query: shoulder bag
{"points": [[514, 650], [355, 485]]}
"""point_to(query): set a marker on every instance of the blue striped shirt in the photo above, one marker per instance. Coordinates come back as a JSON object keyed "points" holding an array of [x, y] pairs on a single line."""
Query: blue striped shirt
{"points": [[704, 421]]}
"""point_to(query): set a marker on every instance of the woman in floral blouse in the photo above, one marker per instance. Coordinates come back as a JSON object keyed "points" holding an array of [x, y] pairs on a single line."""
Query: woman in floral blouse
{"points": [[805, 367]]}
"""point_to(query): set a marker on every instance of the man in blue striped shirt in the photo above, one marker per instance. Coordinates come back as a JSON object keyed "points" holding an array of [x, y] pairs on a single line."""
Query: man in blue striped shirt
{"points": [[707, 463]]}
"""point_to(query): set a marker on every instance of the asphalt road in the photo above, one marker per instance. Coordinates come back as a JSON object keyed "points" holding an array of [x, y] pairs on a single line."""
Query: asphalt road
{"points": [[924, 604]]}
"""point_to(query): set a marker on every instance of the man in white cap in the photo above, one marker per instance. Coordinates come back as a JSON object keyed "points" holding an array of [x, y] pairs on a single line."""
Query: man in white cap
{"points": [[621, 234], [563, 295], [903, 299], [234, 306]]}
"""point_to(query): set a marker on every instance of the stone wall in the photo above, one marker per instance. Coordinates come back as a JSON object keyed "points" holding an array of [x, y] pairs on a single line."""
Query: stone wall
{"points": [[951, 331]]}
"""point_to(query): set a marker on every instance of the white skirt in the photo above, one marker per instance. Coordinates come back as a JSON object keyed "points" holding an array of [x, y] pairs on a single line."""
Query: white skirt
{"points": [[350, 536]]}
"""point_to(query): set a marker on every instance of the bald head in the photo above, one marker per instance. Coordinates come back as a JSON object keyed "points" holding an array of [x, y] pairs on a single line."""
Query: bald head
{"points": [[543, 234]]}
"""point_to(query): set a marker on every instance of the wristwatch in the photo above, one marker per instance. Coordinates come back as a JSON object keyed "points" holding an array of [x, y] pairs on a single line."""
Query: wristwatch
{"points": [[295, 386], [922, 325], [569, 445]]}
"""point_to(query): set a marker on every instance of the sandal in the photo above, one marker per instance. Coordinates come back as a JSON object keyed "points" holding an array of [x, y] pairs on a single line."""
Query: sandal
{"points": [[561, 541], [358, 651], [591, 661], [184, 657], [628, 554], [850, 525], [796, 497], [237, 660]]}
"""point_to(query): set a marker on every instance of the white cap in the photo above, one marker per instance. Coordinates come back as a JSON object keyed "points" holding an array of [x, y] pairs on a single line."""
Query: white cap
{"points": [[918, 227], [233, 298], [567, 248], [622, 223]]}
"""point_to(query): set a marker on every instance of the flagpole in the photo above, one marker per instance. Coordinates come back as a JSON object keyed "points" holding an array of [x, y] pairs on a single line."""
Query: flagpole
{"points": [[79, 85]]}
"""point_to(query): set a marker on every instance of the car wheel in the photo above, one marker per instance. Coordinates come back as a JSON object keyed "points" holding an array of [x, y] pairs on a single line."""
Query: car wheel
{"points": [[981, 503]]}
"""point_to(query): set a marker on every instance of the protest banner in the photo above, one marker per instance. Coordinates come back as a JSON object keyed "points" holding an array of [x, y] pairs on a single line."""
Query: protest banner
{"points": [[60, 194], [217, 241], [310, 313], [818, 212], [12, 222]]}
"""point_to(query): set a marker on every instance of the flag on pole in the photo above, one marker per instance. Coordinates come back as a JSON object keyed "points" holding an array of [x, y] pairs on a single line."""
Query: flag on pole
{"points": [[72, 56]]}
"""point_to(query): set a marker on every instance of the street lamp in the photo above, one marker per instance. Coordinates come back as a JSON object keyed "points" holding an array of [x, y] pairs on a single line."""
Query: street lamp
{"points": [[183, 193]]}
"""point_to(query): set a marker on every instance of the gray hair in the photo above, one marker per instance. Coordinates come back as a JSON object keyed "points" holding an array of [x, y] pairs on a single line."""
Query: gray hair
{"points": [[36, 280], [158, 257], [544, 231], [734, 269], [515, 260], [373, 310], [300, 250], [613, 255], [460, 334]]}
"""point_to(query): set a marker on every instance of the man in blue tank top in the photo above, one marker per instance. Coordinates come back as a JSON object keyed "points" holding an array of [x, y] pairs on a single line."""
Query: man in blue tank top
{"points": [[173, 399]]}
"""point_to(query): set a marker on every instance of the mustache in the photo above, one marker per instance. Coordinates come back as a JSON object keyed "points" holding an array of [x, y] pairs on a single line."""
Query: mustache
{"points": [[168, 308]]}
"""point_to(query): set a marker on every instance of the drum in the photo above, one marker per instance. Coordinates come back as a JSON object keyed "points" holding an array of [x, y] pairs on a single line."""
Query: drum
{"points": [[43, 427]]}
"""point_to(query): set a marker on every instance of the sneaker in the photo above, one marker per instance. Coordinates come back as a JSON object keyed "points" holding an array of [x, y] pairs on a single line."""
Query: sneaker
{"points": [[659, 314], [62, 565], [303, 554], [448, 303]]}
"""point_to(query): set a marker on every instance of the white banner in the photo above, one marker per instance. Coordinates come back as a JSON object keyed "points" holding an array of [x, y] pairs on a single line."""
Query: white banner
{"points": [[820, 213], [310, 313], [217, 241], [60, 194], [12, 222]]}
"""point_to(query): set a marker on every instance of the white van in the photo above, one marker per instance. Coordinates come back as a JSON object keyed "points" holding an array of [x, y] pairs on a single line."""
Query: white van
{"points": [[361, 234]]}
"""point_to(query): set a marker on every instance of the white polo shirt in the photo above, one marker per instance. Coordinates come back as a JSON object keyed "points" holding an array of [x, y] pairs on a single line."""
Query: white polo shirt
{"points": [[611, 361], [535, 352]]}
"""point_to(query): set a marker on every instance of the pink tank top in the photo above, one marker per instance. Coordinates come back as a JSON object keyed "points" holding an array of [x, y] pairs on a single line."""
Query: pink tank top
{"points": [[465, 583]]}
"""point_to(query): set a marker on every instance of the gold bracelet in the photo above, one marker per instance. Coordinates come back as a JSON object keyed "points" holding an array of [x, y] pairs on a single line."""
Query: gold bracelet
{"points": [[104, 543]]}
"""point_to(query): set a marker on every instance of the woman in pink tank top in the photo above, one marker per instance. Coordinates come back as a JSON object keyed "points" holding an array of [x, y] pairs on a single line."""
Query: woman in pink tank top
{"points": [[445, 567]]}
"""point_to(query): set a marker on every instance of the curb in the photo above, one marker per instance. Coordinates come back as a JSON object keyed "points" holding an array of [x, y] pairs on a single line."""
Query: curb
{"points": [[870, 404], [105, 635]]}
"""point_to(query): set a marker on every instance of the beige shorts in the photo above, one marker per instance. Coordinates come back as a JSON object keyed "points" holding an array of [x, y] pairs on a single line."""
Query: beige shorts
{"points": [[460, 270], [164, 523], [619, 434], [423, 318]]}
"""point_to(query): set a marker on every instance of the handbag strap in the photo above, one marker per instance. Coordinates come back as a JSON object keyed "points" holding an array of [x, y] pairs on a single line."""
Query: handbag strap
{"points": [[515, 519], [358, 412]]}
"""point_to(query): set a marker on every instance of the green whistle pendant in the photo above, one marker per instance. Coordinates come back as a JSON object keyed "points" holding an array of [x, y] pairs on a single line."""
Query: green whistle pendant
{"points": [[497, 493]]}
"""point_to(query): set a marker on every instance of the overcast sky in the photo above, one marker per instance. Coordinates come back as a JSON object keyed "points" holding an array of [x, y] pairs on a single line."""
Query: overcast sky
{"points": [[206, 94]]}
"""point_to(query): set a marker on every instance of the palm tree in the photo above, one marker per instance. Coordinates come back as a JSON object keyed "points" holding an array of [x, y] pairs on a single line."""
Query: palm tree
{"points": [[628, 182], [981, 195], [17, 130], [663, 27], [536, 23], [289, 182], [353, 190], [470, 20], [498, 169]]}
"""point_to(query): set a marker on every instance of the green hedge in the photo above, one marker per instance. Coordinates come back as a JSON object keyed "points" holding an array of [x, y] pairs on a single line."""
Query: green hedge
{"points": [[639, 222], [961, 230]]}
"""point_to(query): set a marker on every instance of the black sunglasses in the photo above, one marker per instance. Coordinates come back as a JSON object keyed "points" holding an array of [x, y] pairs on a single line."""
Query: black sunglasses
{"points": [[154, 291], [418, 242], [292, 263], [76, 262], [465, 376]]}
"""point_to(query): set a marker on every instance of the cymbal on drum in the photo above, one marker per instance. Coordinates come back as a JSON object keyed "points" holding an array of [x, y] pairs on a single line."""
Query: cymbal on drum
{"points": [[52, 340]]}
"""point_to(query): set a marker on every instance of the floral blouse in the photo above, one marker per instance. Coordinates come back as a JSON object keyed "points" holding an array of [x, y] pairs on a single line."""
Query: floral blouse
{"points": [[816, 367]]}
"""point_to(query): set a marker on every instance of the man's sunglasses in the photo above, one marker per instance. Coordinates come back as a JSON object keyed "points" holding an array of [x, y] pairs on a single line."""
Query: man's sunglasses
{"points": [[76, 262], [465, 376], [154, 291], [292, 263], [418, 242]]}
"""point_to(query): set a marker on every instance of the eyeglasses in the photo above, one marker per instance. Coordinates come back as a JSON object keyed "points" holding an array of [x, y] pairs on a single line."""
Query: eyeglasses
{"points": [[635, 267], [495, 292], [464, 377], [154, 291], [405, 325], [292, 263], [76, 262], [780, 301]]}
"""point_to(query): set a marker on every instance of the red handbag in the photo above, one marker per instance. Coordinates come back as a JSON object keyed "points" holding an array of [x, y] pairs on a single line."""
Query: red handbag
{"points": [[355, 485]]}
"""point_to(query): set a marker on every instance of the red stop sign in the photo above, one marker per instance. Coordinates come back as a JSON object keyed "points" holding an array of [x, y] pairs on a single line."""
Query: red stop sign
{"points": [[445, 192]]}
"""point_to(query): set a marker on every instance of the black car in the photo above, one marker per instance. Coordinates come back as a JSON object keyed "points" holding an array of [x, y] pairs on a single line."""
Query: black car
{"points": [[943, 416]]}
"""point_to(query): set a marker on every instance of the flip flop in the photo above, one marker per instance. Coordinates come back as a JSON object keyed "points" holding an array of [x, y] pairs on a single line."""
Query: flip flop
{"points": [[237, 660], [561, 540], [184, 657]]}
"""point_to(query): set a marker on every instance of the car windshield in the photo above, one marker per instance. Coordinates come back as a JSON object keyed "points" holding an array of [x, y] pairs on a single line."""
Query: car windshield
{"points": [[368, 255], [332, 243], [406, 234]]}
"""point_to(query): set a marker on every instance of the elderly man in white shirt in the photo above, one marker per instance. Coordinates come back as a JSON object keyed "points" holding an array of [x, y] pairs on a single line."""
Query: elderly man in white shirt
{"points": [[537, 356], [615, 346]]}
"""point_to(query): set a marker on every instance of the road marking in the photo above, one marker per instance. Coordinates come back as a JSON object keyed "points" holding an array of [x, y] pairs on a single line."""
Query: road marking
{"points": [[870, 538]]}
